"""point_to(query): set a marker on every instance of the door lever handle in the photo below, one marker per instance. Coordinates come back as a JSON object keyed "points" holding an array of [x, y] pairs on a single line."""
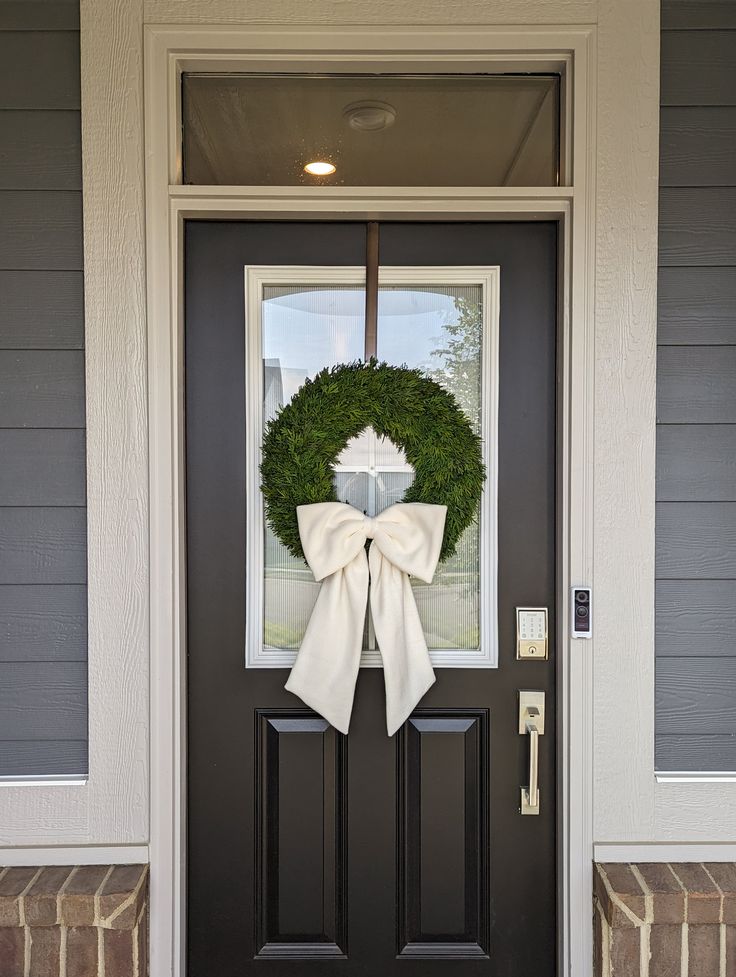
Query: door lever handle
{"points": [[530, 794], [531, 724]]}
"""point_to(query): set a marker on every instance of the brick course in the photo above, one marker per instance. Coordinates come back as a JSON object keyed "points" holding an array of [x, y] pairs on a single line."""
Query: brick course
{"points": [[74, 921], [665, 920]]}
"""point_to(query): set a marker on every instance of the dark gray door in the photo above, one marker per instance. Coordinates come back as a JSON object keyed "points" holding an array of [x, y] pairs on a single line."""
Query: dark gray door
{"points": [[313, 853]]}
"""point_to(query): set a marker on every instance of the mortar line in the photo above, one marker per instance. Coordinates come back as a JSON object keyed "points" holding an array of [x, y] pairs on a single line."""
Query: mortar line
{"points": [[615, 898]]}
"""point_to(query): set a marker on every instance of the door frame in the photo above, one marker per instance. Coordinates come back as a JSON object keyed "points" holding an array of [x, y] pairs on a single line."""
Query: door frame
{"points": [[170, 50]]}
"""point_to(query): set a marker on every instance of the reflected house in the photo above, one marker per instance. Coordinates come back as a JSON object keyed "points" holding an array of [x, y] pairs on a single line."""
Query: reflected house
{"points": [[273, 399], [273, 388]]}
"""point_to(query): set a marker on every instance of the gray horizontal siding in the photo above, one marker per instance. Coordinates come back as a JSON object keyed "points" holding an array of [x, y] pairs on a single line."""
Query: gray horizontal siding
{"points": [[698, 14], [43, 758], [41, 388], [696, 306], [693, 753], [696, 696], [43, 622], [37, 699], [39, 69], [698, 67], [696, 540], [43, 545], [46, 15], [43, 569], [42, 229], [696, 390], [40, 150], [696, 463], [697, 146], [41, 310], [697, 226], [695, 385], [42, 468], [696, 618]]}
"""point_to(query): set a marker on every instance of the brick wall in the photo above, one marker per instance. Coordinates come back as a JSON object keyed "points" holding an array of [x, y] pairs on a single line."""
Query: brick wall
{"points": [[665, 920], [83, 921]]}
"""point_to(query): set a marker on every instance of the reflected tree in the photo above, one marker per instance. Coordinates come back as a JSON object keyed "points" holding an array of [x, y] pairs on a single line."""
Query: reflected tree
{"points": [[456, 365], [456, 361]]}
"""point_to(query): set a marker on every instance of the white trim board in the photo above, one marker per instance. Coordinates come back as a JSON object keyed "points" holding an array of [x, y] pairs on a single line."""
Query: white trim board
{"points": [[488, 278], [111, 855], [664, 853], [168, 52]]}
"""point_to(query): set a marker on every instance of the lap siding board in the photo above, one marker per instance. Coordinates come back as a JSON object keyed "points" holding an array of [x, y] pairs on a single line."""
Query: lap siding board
{"points": [[696, 389], [43, 604]]}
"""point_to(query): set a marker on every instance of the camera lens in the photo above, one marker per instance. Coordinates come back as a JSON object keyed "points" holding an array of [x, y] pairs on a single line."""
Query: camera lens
{"points": [[581, 597], [581, 611]]}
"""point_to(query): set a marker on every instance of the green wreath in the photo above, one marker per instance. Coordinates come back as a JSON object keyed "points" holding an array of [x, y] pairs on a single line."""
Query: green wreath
{"points": [[303, 441]]}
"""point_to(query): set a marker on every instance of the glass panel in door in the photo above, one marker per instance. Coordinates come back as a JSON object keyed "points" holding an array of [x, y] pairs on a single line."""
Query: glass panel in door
{"points": [[438, 328]]}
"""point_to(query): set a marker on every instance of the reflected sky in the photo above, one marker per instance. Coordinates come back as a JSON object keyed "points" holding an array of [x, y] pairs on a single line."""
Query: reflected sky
{"points": [[306, 329]]}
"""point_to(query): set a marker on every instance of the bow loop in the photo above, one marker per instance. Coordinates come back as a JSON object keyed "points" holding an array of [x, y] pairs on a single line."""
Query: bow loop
{"points": [[332, 535], [410, 536], [407, 538]]}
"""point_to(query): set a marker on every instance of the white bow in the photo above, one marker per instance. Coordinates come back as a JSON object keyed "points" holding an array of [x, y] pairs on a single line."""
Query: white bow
{"points": [[407, 538]]}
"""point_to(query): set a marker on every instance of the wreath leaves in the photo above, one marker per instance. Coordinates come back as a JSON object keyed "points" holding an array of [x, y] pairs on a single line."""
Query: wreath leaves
{"points": [[303, 441]]}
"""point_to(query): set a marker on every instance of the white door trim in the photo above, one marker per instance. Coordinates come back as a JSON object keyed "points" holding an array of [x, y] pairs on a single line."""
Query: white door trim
{"points": [[168, 51]]}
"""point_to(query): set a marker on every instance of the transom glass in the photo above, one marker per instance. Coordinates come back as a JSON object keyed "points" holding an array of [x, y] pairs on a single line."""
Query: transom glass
{"points": [[371, 130]]}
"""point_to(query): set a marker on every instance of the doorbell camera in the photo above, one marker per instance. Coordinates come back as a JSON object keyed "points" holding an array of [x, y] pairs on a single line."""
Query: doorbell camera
{"points": [[582, 613]]}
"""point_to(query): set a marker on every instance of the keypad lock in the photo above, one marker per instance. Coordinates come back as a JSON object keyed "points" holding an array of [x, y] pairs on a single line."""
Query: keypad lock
{"points": [[531, 633]]}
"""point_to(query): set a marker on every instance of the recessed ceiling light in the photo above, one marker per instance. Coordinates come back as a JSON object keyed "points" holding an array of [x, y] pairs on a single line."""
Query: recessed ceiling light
{"points": [[369, 116], [319, 167]]}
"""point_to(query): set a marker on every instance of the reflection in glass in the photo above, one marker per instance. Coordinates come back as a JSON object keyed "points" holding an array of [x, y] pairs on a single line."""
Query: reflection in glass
{"points": [[305, 328], [375, 130], [435, 328], [440, 331]]}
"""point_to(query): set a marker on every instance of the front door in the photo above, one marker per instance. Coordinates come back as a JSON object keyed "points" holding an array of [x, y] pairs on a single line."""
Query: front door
{"points": [[309, 852]]}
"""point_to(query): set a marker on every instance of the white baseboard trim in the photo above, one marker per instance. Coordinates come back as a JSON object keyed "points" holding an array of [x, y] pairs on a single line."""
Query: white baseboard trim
{"points": [[81, 855], [665, 852]]}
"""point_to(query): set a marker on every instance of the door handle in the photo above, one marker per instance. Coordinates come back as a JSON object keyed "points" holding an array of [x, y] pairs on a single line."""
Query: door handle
{"points": [[531, 724]]}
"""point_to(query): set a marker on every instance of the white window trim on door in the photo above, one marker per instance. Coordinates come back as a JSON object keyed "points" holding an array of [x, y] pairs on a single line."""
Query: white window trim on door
{"points": [[256, 278]]}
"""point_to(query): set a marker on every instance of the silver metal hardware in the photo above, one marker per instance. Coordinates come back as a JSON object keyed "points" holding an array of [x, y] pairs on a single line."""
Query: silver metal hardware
{"points": [[531, 633], [531, 723]]}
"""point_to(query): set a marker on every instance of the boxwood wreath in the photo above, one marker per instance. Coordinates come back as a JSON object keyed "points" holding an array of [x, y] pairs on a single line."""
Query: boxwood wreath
{"points": [[303, 441]]}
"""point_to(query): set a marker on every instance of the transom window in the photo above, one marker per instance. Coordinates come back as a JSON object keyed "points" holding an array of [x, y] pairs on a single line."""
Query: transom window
{"points": [[371, 130]]}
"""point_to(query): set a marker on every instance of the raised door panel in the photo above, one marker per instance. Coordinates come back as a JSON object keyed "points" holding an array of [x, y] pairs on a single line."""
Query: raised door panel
{"points": [[443, 845], [300, 836]]}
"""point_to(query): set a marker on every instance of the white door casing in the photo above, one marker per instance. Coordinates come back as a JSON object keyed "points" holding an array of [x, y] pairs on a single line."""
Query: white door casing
{"points": [[168, 53]]}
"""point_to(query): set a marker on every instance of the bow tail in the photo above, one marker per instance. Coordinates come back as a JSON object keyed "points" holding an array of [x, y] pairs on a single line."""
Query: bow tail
{"points": [[407, 668], [326, 667]]}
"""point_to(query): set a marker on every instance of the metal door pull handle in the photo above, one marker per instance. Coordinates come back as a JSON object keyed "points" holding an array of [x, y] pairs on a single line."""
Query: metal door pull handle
{"points": [[531, 723], [532, 792]]}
